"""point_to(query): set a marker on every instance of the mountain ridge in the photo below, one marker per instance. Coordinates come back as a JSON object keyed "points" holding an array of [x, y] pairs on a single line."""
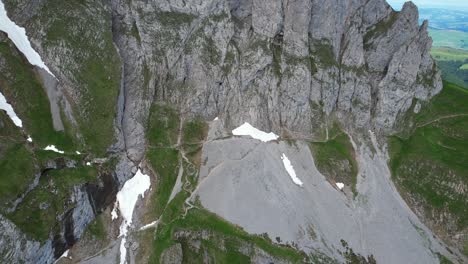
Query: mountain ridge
{"points": [[291, 67]]}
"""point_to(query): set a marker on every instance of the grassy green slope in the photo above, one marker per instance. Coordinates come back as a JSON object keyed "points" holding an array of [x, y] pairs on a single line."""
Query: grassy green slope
{"points": [[198, 220], [38, 214], [163, 153], [430, 166], [82, 30], [16, 161], [29, 99], [453, 63], [335, 158]]}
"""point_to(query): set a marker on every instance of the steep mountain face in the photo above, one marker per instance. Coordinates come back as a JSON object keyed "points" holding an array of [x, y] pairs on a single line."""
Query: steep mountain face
{"points": [[135, 83], [286, 66]]}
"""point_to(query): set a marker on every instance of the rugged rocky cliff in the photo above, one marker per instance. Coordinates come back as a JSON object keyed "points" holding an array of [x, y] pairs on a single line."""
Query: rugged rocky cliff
{"points": [[286, 66], [298, 68]]}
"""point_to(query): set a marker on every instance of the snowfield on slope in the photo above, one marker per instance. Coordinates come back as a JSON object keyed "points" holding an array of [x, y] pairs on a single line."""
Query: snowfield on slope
{"points": [[248, 130], [289, 168], [127, 198], [18, 36], [4, 105]]}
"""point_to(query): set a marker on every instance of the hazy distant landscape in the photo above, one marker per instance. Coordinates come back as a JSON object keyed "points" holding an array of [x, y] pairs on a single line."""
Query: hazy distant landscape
{"points": [[449, 31]]}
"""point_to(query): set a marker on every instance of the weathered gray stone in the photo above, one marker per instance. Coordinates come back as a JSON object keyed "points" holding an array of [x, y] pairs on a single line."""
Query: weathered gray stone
{"points": [[83, 212], [172, 255], [15, 247], [267, 17]]}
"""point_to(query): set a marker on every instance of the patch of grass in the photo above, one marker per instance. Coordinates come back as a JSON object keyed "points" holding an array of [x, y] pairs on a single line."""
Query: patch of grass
{"points": [[93, 66], [430, 165], [323, 54], [96, 229], [17, 167], [335, 158], [276, 52], [444, 260], [37, 214], [451, 100], [163, 155], [163, 126], [210, 52], [229, 254], [195, 130], [102, 81], [166, 163], [16, 171], [174, 19], [200, 219], [194, 134], [229, 60]]}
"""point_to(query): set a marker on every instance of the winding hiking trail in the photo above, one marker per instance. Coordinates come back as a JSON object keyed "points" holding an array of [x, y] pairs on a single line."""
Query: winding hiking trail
{"points": [[179, 184], [440, 118]]}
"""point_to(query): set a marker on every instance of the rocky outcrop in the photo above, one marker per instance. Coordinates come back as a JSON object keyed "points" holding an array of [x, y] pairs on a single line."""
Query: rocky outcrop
{"points": [[172, 255], [87, 201], [16, 248]]}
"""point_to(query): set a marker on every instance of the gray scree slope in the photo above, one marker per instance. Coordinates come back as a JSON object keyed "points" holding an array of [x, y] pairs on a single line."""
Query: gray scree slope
{"points": [[245, 182]]}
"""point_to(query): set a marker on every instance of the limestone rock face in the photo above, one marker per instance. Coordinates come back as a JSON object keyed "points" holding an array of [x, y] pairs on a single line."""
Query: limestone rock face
{"points": [[285, 66], [15, 247]]}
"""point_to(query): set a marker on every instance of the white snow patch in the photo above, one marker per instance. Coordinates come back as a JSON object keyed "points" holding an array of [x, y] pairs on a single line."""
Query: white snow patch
{"points": [[248, 130], [289, 168], [149, 225], [18, 36], [340, 185], [216, 118], [29, 139], [54, 149], [126, 199], [114, 214], [4, 105]]}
